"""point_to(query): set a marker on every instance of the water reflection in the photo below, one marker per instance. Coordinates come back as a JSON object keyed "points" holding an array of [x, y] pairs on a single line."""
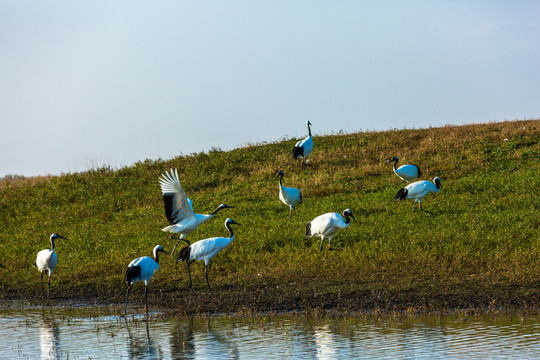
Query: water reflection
{"points": [[52, 334], [142, 347], [49, 337]]}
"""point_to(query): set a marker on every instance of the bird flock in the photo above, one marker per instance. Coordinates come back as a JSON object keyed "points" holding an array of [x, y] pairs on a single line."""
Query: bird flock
{"points": [[183, 221]]}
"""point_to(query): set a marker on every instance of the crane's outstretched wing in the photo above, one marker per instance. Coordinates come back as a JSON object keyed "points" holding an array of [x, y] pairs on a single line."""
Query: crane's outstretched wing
{"points": [[177, 206]]}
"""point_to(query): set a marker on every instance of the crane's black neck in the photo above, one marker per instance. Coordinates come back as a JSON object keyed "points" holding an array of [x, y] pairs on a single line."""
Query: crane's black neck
{"points": [[52, 244], [228, 226], [280, 179], [220, 207], [309, 128], [156, 256], [395, 162], [346, 216]]}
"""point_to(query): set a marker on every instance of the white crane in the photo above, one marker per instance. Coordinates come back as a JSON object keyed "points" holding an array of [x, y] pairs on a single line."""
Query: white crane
{"points": [[327, 225], [288, 195], [303, 147], [206, 249], [46, 260], [179, 210], [418, 190], [142, 269], [406, 173]]}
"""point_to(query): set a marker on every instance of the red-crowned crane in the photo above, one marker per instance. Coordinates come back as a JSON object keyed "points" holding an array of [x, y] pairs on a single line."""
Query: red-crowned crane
{"points": [[406, 173], [303, 147], [327, 225], [288, 195], [179, 210], [418, 190], [46, 261], [142, 269], [205, 250]]}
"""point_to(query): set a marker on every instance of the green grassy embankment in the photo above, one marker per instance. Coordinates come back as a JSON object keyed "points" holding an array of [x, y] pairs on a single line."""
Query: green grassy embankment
{"points": [[476, 245]]}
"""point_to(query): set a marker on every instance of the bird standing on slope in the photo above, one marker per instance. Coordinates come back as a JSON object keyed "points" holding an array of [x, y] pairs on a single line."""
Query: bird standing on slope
{"points": [[46, 261], [327, 225], [142, 269], [206, 249], [303, 147], [406, 173], [418, 190], [178, 208], [289, 196]]}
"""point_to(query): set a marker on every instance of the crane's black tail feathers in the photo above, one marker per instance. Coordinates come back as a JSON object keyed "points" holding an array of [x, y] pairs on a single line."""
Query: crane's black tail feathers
{"points": [[168, 201], [184, 254], [419, 172], [401, 194], [308, 230], [132, 273], [297, 151]]}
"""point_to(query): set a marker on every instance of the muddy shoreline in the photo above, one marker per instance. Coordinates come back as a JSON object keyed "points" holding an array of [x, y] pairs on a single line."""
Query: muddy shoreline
{"points": [[252, 301]]}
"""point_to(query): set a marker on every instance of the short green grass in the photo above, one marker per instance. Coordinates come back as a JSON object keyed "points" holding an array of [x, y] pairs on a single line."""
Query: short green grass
{"points": [[481, 229]]}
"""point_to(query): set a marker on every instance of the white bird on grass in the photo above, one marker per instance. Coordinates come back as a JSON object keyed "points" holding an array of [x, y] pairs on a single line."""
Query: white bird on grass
{"points": [[327, 225], [303, 147], [418, 190], [406, 173], [142, 269], [288, 195], [206, 249], [179, 210], [46, 261]]}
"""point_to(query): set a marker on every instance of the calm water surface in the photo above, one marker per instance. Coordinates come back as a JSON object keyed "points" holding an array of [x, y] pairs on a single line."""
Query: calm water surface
{"points": [[63, 333]]}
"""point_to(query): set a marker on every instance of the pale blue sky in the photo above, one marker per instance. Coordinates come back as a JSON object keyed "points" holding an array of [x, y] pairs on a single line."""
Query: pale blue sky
{"points": [[87, 84]]}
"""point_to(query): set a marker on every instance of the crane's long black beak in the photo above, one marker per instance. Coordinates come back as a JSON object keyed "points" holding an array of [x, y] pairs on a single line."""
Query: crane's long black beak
{"points": [[354, 218], [234, 222]]}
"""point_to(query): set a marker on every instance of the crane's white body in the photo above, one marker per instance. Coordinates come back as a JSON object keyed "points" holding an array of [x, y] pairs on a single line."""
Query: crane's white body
{"points": [[304, 147], [46, 260], [142, 269], [418, 190], [206, 249], [327, 225], [407, 172], [179, 208], [288, 195], [148, 267]]}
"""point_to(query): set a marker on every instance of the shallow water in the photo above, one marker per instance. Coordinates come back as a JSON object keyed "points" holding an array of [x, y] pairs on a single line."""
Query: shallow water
{"points": [[61, 333]]}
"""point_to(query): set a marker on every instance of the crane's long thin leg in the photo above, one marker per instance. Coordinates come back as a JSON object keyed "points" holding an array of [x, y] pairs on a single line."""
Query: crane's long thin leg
{"points": [[49, 285], [189, 274], [330, 243], [206, 276], [146, 298], [322, 239], [127, 296], [290, 213], [42, 283]]}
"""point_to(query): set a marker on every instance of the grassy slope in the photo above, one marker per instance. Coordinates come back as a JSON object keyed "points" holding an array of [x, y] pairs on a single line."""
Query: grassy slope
{"points": [[478, 243]]}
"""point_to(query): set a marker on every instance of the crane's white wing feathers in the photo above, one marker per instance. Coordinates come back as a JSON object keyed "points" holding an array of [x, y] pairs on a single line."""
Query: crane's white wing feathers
{"points": [[172, 190]]}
